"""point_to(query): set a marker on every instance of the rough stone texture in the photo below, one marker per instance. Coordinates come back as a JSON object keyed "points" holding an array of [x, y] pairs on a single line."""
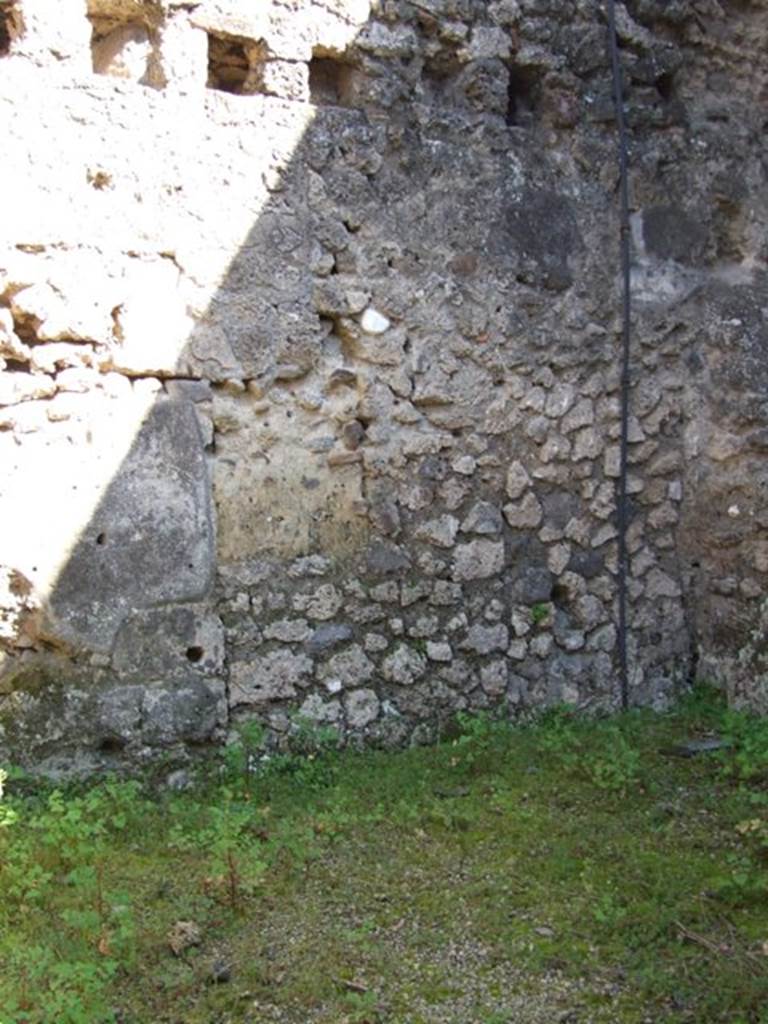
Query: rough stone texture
{"points": [[147, 538], [309, 381], [346, 669], [362, 708], [478, 560], [404, 666], [273, 676]]}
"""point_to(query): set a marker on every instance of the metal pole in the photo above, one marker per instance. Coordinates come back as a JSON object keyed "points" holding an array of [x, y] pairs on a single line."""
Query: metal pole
{"points": [[622, 512]]}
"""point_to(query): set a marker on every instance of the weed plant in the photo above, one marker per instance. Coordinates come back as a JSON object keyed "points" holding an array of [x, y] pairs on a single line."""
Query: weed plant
{"points": [[567, 869]]}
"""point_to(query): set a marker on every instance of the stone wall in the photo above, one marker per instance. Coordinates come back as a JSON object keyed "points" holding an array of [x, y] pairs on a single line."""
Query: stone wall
{"points": [[310, 395]]}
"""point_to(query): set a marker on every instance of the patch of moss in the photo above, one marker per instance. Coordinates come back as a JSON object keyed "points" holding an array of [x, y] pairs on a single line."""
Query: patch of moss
{"points": [[539, 612]]}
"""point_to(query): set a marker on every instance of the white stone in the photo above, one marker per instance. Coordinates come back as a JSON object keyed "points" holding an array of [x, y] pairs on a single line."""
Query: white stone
{"points": [[374, 322]]}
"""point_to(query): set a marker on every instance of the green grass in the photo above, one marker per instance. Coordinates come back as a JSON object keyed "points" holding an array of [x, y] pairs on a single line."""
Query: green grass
{"points": [[563, 871]]}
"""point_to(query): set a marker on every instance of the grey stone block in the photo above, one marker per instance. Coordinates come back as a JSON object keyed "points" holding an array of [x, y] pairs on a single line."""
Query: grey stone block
{"points": [[149, 542]]}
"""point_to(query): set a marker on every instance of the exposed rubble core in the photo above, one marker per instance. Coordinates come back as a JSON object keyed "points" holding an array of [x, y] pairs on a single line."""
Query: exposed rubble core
{"points": [[309, 345]]}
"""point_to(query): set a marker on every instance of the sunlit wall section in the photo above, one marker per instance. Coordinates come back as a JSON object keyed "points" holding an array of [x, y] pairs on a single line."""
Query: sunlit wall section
{"points": [[142, 144]]}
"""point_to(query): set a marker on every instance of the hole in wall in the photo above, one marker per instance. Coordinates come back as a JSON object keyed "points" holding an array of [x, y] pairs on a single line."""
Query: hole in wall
{"points": [[228, 64], [99, 179], [101, 539], [427, 23], [330, 81], [665, 84], [16, 366], [233, 63], [126, 49], [195, 654], [26, 327], [11, 26], [117, 327], [438, 75], [559, 595], [112, 745], [522, 96]]}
